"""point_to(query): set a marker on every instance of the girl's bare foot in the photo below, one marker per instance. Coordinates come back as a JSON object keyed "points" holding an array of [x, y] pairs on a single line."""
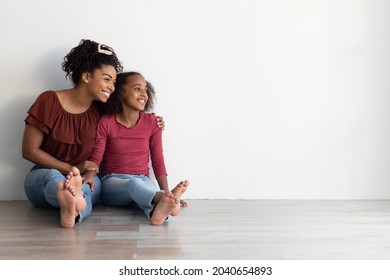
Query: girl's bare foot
{"points": [[73, 184], [68, 205], [157, 197], [178, 192], [163, 209]]}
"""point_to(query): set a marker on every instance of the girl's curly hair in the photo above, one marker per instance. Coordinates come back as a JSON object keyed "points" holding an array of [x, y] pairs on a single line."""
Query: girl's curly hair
{"points": [[113, 105]]}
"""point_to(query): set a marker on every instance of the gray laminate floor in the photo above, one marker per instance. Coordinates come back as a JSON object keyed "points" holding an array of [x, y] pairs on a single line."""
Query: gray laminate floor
{"points": [[207, 229]]}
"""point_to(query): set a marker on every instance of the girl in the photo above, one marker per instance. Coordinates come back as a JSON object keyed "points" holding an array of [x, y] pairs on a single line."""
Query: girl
{"points": [[126, 137]]}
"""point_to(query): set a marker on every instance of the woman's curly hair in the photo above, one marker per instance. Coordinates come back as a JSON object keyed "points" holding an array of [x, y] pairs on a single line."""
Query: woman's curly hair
{"points": [[88, 56], [113, 104]]}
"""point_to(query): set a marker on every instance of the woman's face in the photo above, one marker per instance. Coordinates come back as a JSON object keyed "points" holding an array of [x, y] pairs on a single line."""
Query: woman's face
{"points": [[101, 82], [134, 94]]}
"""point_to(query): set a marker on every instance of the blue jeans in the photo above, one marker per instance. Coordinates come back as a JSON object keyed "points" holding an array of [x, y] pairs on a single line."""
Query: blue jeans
{"points": [[41, 184], [124, 189]]}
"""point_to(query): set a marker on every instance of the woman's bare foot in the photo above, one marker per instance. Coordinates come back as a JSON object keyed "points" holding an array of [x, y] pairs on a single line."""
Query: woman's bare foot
{"points": [[178, 192], [73, 184], [163, 209], [68, 205]]}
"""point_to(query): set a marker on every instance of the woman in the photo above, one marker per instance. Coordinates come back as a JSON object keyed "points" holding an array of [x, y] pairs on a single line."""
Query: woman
{"points": [[60, 132]]}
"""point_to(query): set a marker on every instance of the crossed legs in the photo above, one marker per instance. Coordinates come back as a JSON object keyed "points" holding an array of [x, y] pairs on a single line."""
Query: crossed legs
{"points": [[168, 203], [123, 189]]}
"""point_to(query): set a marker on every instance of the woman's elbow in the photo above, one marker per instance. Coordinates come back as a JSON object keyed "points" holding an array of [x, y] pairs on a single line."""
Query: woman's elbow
{"points": [[27, 154]]}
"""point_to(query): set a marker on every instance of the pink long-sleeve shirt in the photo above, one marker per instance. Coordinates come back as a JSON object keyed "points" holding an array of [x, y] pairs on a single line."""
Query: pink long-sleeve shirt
{"points": [[128, 150]]}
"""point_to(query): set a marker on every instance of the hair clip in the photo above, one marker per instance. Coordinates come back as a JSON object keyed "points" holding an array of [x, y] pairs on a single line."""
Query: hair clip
{"points": [[100, 50]]}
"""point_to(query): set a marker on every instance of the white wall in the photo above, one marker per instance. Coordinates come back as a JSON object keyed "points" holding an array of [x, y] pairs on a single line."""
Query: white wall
{"points": [[262, 99]]}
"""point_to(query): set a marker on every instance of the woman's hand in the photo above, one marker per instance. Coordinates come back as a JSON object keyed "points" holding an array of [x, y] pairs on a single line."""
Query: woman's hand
{"points": [[88, 178], [87, 166], [160, 122]]}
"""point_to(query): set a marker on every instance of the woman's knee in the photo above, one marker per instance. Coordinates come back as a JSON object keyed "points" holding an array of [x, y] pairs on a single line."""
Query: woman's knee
{"points": [[41, 184]]}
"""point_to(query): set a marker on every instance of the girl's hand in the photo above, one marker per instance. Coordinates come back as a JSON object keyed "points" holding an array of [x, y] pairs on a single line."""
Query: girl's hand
{"points": [[183, 203]]}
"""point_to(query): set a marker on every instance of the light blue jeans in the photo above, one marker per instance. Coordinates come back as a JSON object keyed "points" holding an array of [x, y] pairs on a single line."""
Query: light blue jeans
{"points": [[124, 189], [41, 184]]}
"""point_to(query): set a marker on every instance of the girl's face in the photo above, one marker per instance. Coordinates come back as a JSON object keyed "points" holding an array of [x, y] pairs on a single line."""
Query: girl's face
{"points": [[101, 82], [134, 94]]}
